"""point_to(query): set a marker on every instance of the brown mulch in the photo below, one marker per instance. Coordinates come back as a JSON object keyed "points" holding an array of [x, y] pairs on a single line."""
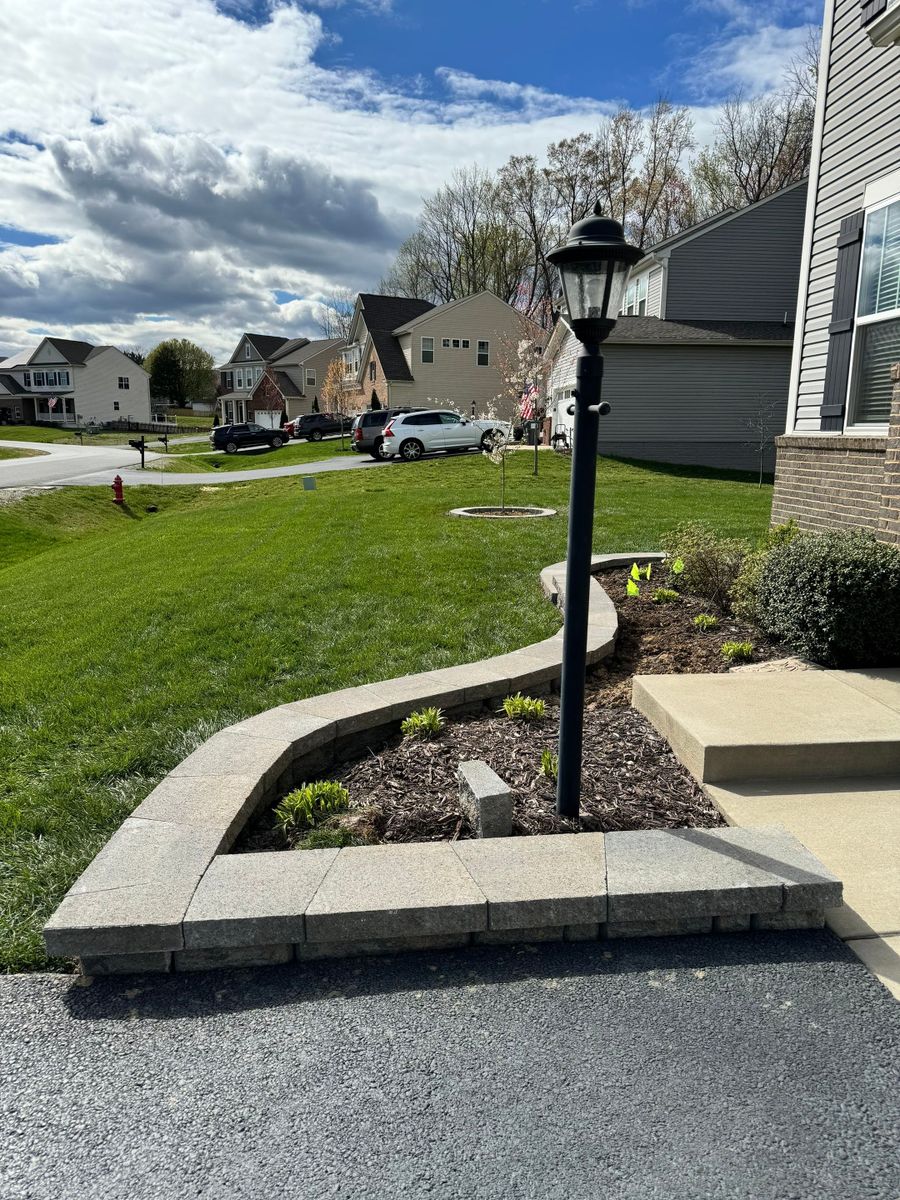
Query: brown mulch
{"points": [[406, 790]]}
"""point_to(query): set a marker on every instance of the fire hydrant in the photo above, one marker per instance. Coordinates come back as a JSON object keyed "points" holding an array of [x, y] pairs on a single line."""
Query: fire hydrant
{"points": [[118, 496]]}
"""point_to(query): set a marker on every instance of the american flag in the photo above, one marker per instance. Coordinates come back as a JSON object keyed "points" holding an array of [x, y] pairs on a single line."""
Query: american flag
{"points": [[529, 399]]}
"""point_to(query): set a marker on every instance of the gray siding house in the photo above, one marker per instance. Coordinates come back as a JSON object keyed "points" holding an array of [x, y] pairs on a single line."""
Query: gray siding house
{"points": [[698, 366], [839, 461]]}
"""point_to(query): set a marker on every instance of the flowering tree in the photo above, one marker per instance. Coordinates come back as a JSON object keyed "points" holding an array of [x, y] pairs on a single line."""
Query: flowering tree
{"points": [[332, 391], [524, 375]]}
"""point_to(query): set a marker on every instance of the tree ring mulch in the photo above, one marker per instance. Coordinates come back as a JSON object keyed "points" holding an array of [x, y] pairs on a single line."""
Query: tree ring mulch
{"points": [[520, 510]]}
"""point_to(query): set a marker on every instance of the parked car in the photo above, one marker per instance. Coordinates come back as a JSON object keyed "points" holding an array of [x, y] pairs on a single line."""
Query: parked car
{"points": [[315, 426], [232, 438], [425, 431], [367, 432]]}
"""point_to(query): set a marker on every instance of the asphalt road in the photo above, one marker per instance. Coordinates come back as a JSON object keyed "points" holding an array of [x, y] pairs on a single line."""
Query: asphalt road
{"points": [[759, 1066]]}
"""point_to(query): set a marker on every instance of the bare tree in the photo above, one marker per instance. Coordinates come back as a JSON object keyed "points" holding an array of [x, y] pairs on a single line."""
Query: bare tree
{"points": [[764, 424], [336, 313], [802, 75], [332, 391]]}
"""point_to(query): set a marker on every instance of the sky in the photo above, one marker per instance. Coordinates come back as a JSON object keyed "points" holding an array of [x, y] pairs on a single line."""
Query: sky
{"points": [[197, 168]]}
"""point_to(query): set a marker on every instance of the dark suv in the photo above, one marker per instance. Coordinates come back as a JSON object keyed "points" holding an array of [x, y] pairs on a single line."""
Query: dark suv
{"points": [[368, 428], [232, 438], [315, 426]]}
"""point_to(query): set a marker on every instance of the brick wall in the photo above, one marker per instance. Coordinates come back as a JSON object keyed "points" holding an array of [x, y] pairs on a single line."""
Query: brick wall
{"points": [[836, 481], [890, 512]]}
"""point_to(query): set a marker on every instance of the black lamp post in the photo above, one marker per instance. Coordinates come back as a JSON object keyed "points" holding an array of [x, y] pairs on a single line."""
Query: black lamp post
{"points": [[594, 265]]}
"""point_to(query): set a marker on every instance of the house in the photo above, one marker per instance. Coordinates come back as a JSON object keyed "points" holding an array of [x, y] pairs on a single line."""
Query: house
{"points": [[267, 376], [839, 460], [698, 366], [411, 353], [67, 382]]}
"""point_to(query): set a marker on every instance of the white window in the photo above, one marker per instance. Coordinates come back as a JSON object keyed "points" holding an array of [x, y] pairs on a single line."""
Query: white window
{"points": [[63, 377], [465, 343], [39, 379], [26, 379], [876, 342], [310, 377], [247, 350], [124, 383], [445, 342], [427, 350], [483, 357], [50, 378], [456, 343], [636, 298], [240, 379]]}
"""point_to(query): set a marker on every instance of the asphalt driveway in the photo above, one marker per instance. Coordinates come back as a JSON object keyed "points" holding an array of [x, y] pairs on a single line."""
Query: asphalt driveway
{"points": [[760, 1066]]}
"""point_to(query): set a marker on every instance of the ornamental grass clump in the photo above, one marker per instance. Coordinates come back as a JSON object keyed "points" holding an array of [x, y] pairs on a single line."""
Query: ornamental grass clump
{"points": [[302, 808], [665, 596], [834, 598], [549, 764], [737, 652], [705, 622], [424, 725], [524, 708]]}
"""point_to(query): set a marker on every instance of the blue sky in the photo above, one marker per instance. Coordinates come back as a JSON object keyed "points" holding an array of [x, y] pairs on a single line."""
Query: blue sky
{"points": [[204, 166]]}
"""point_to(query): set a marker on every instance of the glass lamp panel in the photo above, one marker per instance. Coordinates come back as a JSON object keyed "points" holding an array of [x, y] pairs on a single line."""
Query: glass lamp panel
{"points": [[594, 289]]}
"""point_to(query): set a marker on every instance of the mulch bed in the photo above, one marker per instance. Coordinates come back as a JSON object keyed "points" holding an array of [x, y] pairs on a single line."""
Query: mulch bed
{"points": [[406, 791]]}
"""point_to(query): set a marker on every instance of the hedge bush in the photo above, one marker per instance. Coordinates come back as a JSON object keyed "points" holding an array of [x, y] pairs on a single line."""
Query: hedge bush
{"points": [[745, 590], [710, 563], [834, 598]]}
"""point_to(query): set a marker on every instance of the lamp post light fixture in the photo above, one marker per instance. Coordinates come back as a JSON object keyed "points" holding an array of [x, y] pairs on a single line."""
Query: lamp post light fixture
{"points": [[594, 265]]}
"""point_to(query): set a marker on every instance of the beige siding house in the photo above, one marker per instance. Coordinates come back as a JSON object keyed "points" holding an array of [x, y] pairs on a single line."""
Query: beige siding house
{"points": [[406, 353], [65, 382], [267, 376]]}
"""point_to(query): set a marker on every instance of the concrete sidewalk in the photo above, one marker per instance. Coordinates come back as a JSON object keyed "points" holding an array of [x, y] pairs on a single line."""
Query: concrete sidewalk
{"points": [[817, 752]]}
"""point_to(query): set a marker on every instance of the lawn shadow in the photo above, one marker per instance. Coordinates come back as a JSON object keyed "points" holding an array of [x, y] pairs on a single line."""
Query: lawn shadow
{"points": [[684, 471], [201, 994]]}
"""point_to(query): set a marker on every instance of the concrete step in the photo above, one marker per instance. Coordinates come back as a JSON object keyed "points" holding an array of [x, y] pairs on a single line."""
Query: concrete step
{"points": [[786, 725]]}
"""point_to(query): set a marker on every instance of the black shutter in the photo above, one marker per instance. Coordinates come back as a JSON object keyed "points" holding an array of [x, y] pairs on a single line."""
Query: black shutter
{"points": [[846, 278], [872, 9]]}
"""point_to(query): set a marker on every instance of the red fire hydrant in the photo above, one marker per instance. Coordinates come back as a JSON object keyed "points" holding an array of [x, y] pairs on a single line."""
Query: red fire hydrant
{"points": [[118, 496]]}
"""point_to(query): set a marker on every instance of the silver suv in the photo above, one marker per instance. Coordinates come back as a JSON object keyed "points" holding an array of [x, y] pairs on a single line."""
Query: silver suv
{"points": [[367, 430]]}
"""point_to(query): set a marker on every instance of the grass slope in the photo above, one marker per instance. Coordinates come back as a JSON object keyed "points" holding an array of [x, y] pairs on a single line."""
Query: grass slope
{"points": [[129, 637], [8, 452], [184, 457]]}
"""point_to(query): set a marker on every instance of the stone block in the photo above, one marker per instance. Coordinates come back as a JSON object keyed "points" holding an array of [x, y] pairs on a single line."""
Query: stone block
{"points": [[667, 928], [350, 709], [796, 919], [291, 723], [255, 899], [486, 799], [380, 946], [127, 964], [409, 890], [213, 959], [510, 937], [428, 689], [525, 672], [583, 933], [807, 882], [666, 874], [228, 753], [479, 681], [736, 923], [214, 802], [539, 881]]}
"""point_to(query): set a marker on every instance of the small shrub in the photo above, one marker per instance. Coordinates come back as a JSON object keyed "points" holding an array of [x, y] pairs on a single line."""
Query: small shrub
{"points": [[524, 708], [549, 764], [301, 808], [427, 723], [325, 838], [745, 589], [706, 621], [665, 596], [710, 564], [737, 652], [834, 598], [639, 573]]}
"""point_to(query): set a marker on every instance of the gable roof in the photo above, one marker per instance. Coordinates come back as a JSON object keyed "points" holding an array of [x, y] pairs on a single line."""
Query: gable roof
{"points": [[654, 330], [384, 314], [266, 344], [71, 351], [310, 348], [285, 384], [10, 385]]}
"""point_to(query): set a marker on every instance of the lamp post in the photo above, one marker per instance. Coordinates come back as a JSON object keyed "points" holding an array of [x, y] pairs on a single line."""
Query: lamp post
{"points": [[594, 265]]}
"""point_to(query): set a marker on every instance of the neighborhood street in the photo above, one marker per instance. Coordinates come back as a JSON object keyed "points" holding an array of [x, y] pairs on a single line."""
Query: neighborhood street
{"points": [[741, 1068]]}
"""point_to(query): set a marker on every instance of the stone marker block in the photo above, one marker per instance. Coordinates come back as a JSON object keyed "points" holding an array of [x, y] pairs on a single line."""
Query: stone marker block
{"points": [[379, 946], [790, 920], [127, 964], [531, 882], [231, 956], [409, 890], [670, 874], [255, 899], [485, 799]]}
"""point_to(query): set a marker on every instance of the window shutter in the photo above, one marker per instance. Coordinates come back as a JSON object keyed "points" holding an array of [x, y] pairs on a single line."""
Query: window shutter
{"points": [[846, 278], [872, 9]]}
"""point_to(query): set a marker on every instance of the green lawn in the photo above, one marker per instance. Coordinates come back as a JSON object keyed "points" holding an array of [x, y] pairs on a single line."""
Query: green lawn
{"points": [[53, 433], [181, 458], [129, 637], [7, 452]]}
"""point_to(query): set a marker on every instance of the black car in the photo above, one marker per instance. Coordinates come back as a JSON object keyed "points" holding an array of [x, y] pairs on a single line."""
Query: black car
{"points": [[315, 426], [232, 438]]}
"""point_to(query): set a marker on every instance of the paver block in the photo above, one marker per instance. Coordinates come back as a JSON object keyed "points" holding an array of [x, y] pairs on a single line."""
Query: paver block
{"points": [[289, 722], [665, 928], [409, 693], [250, 899], [539, 881], [525, 672], [154, 963], [509, 937], [142, 853], [665, 874], [212, 959], [807, 882], [377, 946], [486, 799], [408, 890], [479, 680], [228, 753], [790, 920], [583, 933], [735, 923], [350, 709], [128, 920], [216, 802]]}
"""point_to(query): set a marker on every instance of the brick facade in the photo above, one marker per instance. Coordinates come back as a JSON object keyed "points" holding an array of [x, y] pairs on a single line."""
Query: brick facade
{"points": [[836, 481], [358, 399]]}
